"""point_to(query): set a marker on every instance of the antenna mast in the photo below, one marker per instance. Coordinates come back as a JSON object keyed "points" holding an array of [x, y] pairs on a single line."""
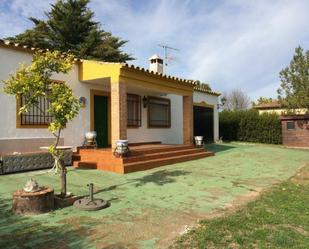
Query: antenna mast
{"points": [[166, 57]]}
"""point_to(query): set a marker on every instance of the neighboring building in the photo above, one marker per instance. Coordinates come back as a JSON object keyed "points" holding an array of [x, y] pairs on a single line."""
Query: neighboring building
{"points": [[295, 130], [122, 102], [295, 127], [276, 107]]}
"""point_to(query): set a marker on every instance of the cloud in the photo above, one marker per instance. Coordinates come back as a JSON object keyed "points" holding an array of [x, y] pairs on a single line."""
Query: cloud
{"points": [[230, 44], [14, 15]]}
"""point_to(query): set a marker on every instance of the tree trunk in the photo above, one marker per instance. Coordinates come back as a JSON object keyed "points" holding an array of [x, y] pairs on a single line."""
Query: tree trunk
{"points": [[63, 177]]}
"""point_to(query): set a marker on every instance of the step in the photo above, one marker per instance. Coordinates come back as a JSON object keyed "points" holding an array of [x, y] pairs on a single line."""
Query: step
{"points": [[149, 164], [86, 164], [138, 151], [161, 155]]}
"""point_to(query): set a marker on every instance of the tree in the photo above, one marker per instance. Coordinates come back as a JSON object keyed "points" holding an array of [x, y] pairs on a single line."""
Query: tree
{"points": [[262, 100], [294, 89], [34, 82], [235, 100], [203, 86], [70, 27]]}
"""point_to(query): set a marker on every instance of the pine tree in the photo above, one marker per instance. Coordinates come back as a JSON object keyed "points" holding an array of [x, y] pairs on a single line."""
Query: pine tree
{"points": [[70, 27], [294, 88]]}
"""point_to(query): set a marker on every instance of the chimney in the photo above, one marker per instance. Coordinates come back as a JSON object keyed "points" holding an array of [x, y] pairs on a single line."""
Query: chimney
{"points": [[156, 64]]}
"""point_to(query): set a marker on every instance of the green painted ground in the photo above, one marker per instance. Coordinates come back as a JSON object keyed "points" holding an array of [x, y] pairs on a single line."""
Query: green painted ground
{"points": [[278, 219], [148, 209]]}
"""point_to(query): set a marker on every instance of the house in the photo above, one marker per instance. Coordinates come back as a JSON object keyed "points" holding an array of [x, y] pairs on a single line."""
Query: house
{"points": [[122, 101], [276, 107]]}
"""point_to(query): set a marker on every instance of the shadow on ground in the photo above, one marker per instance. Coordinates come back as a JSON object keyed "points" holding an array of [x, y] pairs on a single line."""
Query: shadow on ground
{"points": [[218, 147], [27, 232], [159, 178]]}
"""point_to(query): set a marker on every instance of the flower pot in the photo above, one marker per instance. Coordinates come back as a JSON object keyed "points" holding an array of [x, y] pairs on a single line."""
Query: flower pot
{"points": [[198, 141]]}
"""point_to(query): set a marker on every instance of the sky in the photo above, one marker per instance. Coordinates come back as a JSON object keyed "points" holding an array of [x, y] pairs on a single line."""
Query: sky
{"points": [[229, 44]]}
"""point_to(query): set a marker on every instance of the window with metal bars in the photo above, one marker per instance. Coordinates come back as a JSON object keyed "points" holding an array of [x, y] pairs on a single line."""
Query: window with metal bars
{"points": [[37, 114], [134, 110]]}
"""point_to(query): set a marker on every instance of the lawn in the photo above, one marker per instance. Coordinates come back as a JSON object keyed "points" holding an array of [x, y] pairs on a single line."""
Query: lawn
{"points": [[148, 209], [278, 219]]}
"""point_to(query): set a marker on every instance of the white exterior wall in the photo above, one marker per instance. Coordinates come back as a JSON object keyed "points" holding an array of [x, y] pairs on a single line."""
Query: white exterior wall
{"points": [[73, 134], [200, 97], [173, 135]]}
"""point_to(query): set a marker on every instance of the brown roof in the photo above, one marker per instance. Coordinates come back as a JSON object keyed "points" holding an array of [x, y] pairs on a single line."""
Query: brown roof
{"points": [[203, 90], [271, 105], [295, 117], [30, 49]]}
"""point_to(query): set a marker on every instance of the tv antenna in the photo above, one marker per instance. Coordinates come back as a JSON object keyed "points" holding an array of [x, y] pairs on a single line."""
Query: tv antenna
{"points": [[166, 56]]}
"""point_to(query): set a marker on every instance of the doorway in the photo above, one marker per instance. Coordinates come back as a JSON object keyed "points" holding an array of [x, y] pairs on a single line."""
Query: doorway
{"points": [[204, 122], [100, 119]]}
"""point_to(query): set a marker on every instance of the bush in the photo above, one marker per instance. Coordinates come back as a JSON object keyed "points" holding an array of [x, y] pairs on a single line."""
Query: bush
{"points": [[249, 126]]}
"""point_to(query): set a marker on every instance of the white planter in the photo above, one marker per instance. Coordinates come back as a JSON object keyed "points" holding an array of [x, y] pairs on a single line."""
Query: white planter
{"points": [[122, 146], [198, 140], [90, 136]]}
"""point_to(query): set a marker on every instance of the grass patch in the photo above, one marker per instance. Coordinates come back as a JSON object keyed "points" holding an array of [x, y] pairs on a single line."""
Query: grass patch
{"points": [[278, 219]]}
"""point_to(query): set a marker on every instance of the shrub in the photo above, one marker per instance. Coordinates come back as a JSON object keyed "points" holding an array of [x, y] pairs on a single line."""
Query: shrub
{"points": [[250, 126]]}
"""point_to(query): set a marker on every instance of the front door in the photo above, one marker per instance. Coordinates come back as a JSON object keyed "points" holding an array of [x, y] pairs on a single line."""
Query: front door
{"points": [[101, 120]]}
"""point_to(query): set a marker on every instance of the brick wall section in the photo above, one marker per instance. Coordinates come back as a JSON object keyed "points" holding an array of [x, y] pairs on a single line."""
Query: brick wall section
{"points": [[118, 112], [299, 137], [188, 120]]}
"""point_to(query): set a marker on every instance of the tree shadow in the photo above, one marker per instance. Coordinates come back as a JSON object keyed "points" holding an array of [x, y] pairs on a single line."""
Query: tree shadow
{"points": [[160, 177], [218, 147], [32, 232]]}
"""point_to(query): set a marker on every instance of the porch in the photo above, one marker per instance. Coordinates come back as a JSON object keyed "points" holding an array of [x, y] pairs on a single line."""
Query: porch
{"points": [[134, 104], [142, 157]]}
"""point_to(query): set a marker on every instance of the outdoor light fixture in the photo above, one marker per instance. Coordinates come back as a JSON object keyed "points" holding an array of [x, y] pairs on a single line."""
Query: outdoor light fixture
{"points": [[145, 100], [82, 101]]}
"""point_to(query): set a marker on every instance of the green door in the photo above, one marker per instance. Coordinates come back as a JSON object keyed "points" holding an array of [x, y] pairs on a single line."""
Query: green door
{"points": [[101, 120]]}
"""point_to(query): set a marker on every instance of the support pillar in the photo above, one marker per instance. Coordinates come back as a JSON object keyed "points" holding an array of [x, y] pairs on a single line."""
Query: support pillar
{"points": [[187, 120], [118, 112]]}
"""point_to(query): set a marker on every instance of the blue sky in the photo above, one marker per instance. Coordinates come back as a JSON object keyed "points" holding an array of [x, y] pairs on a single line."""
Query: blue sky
{"points": [[229, 44]]}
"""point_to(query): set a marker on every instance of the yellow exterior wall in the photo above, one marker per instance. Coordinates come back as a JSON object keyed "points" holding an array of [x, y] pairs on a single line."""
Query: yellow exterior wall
{"points": [[117, 72], [282, 111], [91, 70]]}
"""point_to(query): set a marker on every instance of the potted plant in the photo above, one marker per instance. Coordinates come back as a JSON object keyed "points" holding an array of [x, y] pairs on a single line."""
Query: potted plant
{"points": [[34, 82]]}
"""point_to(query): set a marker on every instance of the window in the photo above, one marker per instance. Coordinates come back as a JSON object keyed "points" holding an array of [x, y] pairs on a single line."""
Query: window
{"points": [[37, 115], [159, 112], [134, 110], [290, 125]]}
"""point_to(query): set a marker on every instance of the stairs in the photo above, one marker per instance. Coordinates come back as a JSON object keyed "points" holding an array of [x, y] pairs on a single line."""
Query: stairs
{"points": [[141, 158]]}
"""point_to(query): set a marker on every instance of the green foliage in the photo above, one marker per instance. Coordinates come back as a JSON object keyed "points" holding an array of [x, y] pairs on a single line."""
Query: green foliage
{"points": [[278, 219], [249, 126], [34, 82], [70, 27], [294, 88], [262, 100], [203, 86]]}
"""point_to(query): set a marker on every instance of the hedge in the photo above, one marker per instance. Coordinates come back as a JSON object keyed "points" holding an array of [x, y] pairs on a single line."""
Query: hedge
{"points": [[250, 126]]}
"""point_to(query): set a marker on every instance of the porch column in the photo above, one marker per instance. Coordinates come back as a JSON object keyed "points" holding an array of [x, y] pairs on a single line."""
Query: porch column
{"points": [[187, 120], [118, 112]]}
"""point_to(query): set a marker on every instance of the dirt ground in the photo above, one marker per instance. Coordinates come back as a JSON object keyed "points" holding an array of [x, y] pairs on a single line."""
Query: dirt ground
{"points": [[149, 209]]}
